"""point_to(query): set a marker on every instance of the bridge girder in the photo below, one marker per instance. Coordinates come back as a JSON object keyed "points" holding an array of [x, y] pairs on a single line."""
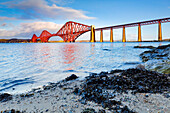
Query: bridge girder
{"points": [[69, 32]]}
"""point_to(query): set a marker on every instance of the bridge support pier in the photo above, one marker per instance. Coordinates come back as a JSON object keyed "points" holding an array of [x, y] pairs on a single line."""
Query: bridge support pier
{"points": [[92, 37], [159, 31], [101, 35], [111, 34], [139, 33], [124, 36]]}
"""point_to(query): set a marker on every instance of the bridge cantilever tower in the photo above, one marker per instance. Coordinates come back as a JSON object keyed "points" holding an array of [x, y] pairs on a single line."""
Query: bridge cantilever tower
{"points": [[69, 32], [72, 30], [44, 37]]}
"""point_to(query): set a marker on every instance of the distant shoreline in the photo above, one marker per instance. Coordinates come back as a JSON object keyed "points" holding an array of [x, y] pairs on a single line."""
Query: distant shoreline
{"points": [[61, 41]]}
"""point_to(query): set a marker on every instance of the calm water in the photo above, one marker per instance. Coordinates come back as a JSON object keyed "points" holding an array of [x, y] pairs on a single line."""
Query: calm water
{"points": [[26, 66]]}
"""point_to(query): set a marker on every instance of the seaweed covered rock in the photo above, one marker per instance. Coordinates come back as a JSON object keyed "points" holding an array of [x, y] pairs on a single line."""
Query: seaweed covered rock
{"points": [[96, 86], [72, 77], [161, 52], [144, 81], [157, 59], [11, 111], [144, 47], [5, 97]]}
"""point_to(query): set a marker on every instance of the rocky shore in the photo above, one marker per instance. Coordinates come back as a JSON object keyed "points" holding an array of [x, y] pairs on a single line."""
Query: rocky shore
{"points": [[118, 91], [157, 59]]}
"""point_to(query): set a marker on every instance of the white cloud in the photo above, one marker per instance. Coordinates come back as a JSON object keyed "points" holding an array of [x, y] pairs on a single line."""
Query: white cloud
{"points": [[40, 9], [7, 18], [28, 29], [62, 2]]}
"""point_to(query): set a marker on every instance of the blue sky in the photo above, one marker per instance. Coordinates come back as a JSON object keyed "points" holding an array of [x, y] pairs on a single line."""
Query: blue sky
{"points": [[23, 18]]}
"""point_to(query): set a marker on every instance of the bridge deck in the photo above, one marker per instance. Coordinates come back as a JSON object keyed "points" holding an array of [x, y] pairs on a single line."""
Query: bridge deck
{"points": [[163, 20]]}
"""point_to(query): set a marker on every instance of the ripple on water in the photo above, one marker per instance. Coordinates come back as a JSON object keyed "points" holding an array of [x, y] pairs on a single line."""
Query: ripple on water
{"points": [[26, 66], [9, 83]]}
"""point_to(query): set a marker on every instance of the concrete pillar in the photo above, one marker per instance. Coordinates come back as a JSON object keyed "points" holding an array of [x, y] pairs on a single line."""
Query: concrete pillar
{"points": [[159, 31], [101, 35], [139, 33], [111, 34], [124, 36], [92, 37]]}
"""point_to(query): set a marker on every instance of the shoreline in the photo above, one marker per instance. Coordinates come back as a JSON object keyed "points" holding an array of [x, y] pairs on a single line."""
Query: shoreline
{"points": [[61, 41], [75, 95]]}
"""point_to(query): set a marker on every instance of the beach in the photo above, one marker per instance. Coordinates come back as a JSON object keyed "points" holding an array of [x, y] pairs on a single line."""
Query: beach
{"points": [[131, 90]]}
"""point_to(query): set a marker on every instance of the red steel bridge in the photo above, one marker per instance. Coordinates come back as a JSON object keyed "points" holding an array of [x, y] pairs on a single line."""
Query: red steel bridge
{"points": [[72, 30]]}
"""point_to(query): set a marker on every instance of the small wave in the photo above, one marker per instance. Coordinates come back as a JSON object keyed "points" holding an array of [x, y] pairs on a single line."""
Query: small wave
{"points": [[106, 49], [8, 83], [69, 71], [16, 84], [14, 81]]}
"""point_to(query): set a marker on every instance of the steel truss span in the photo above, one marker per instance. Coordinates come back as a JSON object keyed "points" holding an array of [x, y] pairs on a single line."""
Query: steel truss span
{"points": [[69, 32], [163, 20], [72, 30]]}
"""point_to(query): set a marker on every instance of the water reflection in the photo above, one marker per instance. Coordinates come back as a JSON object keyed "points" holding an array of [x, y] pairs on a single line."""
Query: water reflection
{"points": [[92, 51], [41, 55], [69, 53], [44, 63], [124, 45], [140, 44], [73, 56], [45, 51], [160, 43], [111, 45]]}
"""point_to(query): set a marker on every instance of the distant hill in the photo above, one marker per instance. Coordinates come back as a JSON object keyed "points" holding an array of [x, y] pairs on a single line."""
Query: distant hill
{"points": [[14, 40]]}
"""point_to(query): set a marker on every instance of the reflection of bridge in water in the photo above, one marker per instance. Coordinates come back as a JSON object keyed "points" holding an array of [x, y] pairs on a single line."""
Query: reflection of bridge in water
{"points": [[72, 30]]}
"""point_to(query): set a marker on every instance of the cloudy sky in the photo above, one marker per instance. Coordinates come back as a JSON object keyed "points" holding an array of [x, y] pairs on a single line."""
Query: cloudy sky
{"points": [[23, 18]]}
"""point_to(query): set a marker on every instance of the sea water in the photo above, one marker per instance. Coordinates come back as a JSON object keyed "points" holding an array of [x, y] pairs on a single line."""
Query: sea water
{"points": [[24, 66]]}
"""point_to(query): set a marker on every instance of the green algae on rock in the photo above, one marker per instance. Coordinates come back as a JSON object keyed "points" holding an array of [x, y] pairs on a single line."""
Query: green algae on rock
{"points": [[157, 59]]}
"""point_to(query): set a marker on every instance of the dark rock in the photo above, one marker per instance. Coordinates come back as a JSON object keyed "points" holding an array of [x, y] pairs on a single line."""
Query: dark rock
{"points": [[76, 91], [156, 53], [11, 111], [27, 95], [126, 110], [167, 95], [47, 87], [106, 49], [145, 47], [146, 95], [103, 73], [163, 47], [5, 97], [115, 71], [72, 77]]}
